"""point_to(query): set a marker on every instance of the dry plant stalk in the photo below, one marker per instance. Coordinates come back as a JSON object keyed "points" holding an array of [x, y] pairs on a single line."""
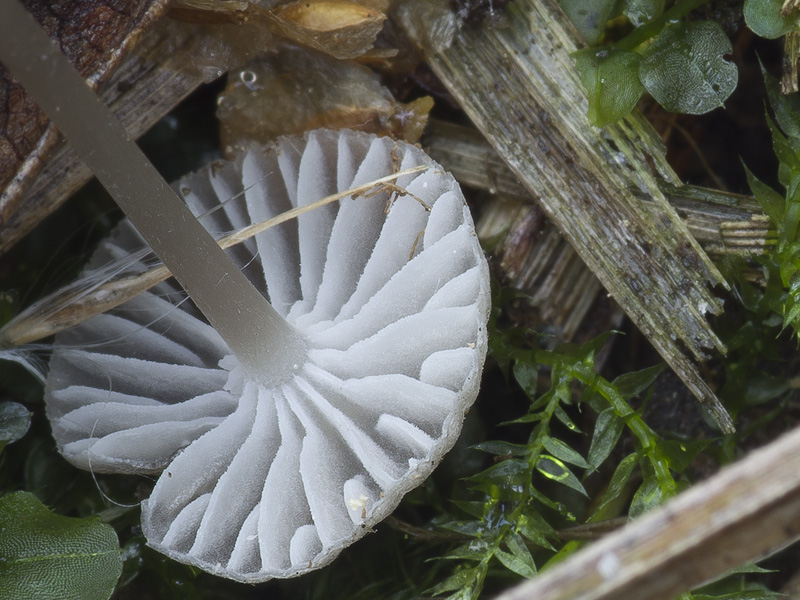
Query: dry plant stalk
{"points": [[741, 514], [78, 302], [536, 260], [722, 222], [519, 86], [791, 56]]}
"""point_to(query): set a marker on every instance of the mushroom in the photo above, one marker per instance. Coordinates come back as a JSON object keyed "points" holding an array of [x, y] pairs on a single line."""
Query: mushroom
{"points": [[386, 298]]}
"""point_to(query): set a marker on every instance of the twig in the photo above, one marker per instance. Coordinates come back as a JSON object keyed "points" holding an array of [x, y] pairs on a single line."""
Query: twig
{"points": [[743, 513], [420, 533], [592, 531]]}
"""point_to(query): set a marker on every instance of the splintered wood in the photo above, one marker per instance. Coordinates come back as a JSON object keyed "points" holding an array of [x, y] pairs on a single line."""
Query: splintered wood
{"points": [[96, 35], [519, 86]]}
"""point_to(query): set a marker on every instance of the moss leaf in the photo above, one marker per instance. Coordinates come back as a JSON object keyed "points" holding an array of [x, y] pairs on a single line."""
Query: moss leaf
{"points": [[619, 480], [45, 556], [648, 496], [15, 420], [681, 454], [516, 564], [555, 469], [640, 12], [786, 109], [563, 452], [765, 19], [633, 384], [607, 431], [589, 18], [611, 79], [454, 582], [684, 68], [770, 200]]}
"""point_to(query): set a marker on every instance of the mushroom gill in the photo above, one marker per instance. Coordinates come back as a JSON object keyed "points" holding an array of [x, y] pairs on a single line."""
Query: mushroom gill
{"points": [[387, 298]]}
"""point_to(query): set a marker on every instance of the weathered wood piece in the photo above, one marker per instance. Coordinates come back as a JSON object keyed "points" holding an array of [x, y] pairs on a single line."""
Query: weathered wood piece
{"points": [[149, 83], [741, 514], [559, 291], [95, 35], [519, 86], [722, 222]]}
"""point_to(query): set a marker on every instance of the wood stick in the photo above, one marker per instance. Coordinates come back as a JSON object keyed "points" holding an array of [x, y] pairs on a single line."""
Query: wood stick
{"points": [[520, 87], [741, 514]]}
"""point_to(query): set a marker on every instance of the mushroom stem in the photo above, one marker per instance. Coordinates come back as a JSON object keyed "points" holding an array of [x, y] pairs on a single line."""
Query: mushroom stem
{"points": [[256, 334]]}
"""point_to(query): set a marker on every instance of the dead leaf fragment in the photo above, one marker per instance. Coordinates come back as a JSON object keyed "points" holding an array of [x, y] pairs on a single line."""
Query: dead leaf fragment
{"points": [[295, 90], [328, 16], [341, 29]]}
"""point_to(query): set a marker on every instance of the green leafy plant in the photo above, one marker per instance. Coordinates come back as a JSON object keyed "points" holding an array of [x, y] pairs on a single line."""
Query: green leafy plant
{"points": [[514, 507], [683, 68], [15, 420], [783, 263], [680, 64], [46, 556], [767, 18]]}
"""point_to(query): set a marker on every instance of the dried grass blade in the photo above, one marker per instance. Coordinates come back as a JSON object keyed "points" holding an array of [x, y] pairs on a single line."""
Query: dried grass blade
{"points": [[83, 299]]}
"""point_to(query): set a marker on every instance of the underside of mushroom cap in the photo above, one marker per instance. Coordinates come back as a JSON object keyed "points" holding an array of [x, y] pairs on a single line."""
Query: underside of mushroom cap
{"points": [[272, 476]]}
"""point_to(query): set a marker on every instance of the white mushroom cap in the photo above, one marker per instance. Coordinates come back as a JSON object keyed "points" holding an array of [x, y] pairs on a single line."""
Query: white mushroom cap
{"points": [[271, 476]]}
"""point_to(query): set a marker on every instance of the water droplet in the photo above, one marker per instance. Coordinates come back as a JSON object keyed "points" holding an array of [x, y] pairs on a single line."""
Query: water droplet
{"points": [[249, 79]]}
